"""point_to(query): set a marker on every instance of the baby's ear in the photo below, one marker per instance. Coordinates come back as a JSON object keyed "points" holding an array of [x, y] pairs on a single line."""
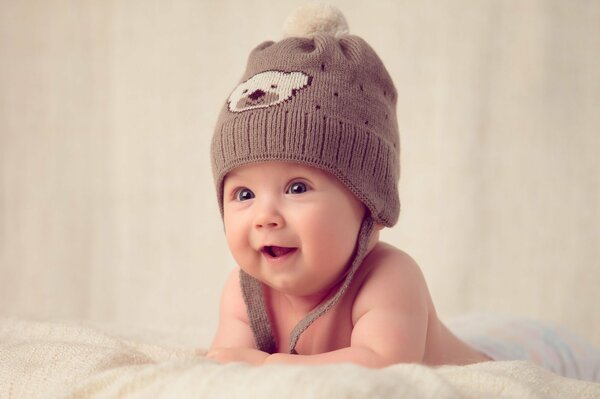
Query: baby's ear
{"points": [[379, 226]]}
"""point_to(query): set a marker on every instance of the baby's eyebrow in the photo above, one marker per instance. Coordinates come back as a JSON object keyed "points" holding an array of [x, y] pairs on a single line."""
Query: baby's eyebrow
{"points": [[234, 180], [231, 175]]}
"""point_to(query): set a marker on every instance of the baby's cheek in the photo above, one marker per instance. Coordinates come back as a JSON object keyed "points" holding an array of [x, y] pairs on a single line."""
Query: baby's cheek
{"points": [[334, 242], [238, 244]]}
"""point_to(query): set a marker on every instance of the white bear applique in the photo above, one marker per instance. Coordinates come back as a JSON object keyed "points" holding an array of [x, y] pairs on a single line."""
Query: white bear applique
{"points": [[266, 89]]}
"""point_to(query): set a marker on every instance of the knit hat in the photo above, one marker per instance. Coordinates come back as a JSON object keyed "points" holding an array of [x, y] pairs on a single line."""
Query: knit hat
{"points": [[323, 98]]}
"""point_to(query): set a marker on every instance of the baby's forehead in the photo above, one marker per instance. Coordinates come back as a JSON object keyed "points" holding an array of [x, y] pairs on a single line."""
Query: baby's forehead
{"points": [[274, 167], [278, 169]]}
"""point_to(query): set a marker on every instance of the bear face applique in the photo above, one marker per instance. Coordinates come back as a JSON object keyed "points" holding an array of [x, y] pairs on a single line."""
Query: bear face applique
{"points": [[266, 89]]}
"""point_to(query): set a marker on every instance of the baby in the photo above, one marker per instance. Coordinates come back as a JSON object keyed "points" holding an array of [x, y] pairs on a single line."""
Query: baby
{"points": [[306, 162]]}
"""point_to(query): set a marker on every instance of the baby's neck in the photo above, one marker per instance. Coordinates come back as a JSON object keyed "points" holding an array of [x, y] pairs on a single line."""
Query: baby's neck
{"points": [[300, 306]]}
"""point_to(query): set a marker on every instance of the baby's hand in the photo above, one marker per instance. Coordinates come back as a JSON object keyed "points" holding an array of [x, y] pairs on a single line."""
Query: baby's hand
{"points": [[245, 355]]}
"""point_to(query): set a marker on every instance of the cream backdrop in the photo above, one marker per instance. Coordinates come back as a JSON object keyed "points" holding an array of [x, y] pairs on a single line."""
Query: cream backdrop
{"points": [[107, 206]]}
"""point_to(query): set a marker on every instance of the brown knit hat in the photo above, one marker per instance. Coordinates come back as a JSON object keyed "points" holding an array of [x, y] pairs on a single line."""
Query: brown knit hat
{"points": [[326, 101], [322, 98]]}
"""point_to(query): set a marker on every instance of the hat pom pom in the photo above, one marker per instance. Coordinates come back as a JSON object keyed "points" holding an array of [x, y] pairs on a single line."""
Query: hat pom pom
{"points": [[312, 19]]}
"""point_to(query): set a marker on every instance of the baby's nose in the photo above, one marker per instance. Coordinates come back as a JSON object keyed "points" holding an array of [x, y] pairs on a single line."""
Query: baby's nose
{"points": [[269, 224], [269, 220], [256, 94]]}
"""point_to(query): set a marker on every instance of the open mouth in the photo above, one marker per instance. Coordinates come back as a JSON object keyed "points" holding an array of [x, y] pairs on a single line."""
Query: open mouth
{"points": [[273, 251]]}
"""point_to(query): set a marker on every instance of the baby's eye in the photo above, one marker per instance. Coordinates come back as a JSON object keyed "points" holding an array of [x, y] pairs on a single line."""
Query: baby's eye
{"points": [[297, 188], [244, 194]]}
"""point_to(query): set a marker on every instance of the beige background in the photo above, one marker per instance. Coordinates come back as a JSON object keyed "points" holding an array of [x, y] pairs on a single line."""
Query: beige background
{"points": [[107, 208]]}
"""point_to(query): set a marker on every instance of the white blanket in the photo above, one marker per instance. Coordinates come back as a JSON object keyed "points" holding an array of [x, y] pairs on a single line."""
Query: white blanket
{"points": [[51, 360]]}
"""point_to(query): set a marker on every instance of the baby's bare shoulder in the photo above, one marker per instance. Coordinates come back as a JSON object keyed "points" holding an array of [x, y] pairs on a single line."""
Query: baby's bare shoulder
{"points": [[392, 279], [386, 262]]}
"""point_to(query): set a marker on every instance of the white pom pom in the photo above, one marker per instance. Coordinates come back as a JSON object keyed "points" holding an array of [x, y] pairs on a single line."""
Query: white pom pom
{"points": [[312, 19]]}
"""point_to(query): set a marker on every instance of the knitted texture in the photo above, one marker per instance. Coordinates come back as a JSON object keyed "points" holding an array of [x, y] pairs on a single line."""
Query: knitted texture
{"points": [[252, 291], [323, 101]]}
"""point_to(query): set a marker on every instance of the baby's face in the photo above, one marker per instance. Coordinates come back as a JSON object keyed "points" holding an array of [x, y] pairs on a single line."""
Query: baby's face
{"points": [[290, 226]]}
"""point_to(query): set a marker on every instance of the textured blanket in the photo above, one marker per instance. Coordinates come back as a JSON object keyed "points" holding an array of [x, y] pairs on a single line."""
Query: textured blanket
{"points": [[50, 360]]}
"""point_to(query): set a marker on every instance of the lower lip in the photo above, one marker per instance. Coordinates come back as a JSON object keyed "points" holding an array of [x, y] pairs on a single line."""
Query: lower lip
{"points": [[279, 259]]}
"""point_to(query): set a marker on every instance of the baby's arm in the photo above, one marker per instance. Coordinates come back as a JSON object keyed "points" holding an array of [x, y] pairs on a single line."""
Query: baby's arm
{"points": [[390, 317], [234, 328]]}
